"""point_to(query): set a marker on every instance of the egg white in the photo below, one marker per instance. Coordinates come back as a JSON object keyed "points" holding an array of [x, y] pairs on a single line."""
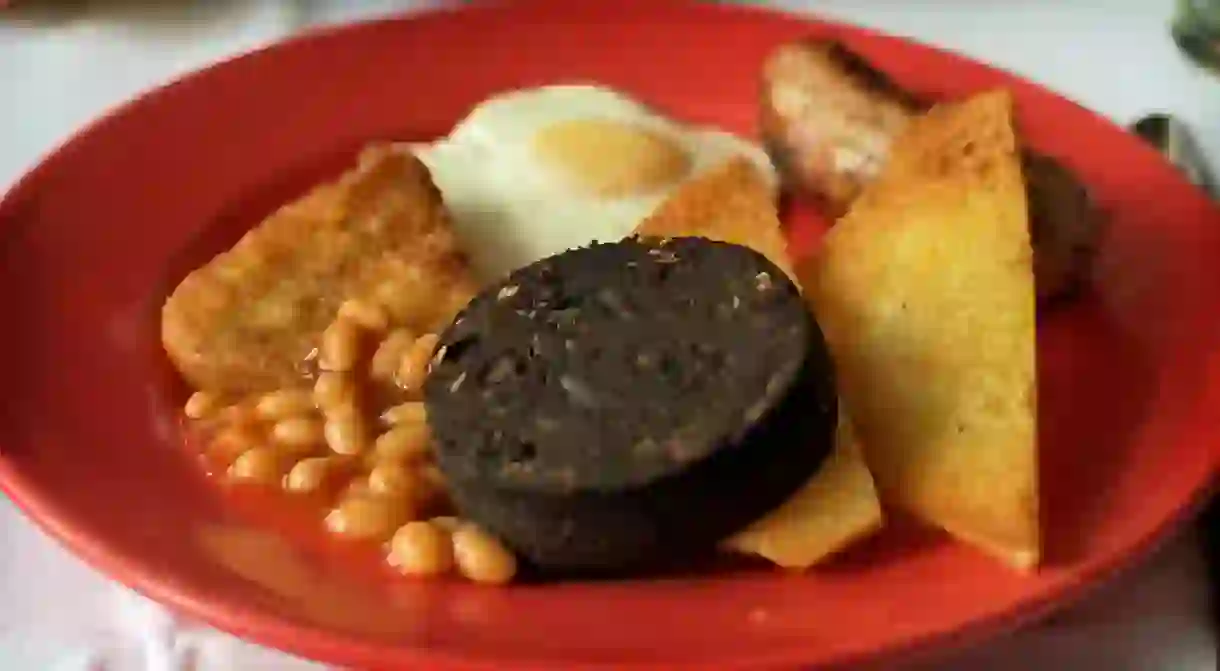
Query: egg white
{"points": [[511, 211]]}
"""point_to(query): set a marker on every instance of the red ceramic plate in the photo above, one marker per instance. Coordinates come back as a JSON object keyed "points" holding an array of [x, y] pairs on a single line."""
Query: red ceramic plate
{"points": [[94, 237]]}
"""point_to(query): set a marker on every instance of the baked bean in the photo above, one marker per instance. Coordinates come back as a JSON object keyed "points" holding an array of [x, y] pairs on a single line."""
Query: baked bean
{"points": [[413, 368], [421, 549], [284, 403], [333, 389], [233, 441], [384, 363], [394, 479], [340, 346], [313, 473], [402, 444], [369, 316], [298, 432], [356, 487], [201, 404], [345, 432], [260, 465], [368, 517], [239, 414], [481, 557], [411, 412]]}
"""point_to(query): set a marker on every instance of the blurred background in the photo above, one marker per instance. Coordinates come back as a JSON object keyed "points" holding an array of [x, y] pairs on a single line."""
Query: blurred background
{"points": [[61, 61]]}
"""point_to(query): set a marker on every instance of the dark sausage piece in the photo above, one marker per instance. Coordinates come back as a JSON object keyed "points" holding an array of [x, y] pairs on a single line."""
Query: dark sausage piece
{"points": [[630, 402]]}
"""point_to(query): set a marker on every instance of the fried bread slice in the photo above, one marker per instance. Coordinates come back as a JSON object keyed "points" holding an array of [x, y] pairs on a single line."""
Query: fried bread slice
{"points": [[925, 291], [835, 508], [729, 203]]}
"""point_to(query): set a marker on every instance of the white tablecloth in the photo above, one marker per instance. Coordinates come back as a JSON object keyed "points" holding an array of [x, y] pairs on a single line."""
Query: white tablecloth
{"points": [[62, 68]]}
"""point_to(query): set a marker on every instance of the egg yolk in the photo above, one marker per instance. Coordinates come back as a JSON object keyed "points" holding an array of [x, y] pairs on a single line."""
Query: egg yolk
{"points": [[610, 159]]}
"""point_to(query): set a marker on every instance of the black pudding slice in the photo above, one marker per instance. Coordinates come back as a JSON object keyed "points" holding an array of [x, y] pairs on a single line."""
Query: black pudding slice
{"points": [[624, 403]]}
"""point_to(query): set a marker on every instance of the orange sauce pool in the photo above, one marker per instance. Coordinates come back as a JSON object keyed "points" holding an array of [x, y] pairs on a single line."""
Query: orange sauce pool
{"points": [[297, 518], [277, 540], [271, 523]]}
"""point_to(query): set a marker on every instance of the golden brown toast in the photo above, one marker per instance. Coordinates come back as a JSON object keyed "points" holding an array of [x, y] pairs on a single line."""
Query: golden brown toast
{"points": [[925, 291], [832, 510], [247, 320], [838, 504], [729, 203]]}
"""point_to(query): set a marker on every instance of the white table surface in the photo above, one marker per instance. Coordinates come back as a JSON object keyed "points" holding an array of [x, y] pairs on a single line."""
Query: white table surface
{"points": [[60, 70]]}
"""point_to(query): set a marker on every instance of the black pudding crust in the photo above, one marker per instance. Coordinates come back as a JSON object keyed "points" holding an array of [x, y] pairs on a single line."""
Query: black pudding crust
{"points": [[626, 403]]}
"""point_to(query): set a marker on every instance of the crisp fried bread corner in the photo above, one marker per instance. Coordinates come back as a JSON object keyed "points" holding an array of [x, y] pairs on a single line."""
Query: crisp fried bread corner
{"points": [[838, 504], [729, 203], [246, 320], [925, 291], [832, 510]]}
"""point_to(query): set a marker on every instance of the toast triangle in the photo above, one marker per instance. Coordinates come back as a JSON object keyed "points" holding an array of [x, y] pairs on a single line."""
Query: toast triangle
{"points": [[925, 291]]}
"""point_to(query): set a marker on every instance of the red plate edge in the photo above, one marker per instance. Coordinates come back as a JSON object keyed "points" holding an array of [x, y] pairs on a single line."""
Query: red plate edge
{"points": [[325, 645]]}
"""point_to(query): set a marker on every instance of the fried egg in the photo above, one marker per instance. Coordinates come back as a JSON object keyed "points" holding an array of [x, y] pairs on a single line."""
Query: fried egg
{"points": [[531, 173]]}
